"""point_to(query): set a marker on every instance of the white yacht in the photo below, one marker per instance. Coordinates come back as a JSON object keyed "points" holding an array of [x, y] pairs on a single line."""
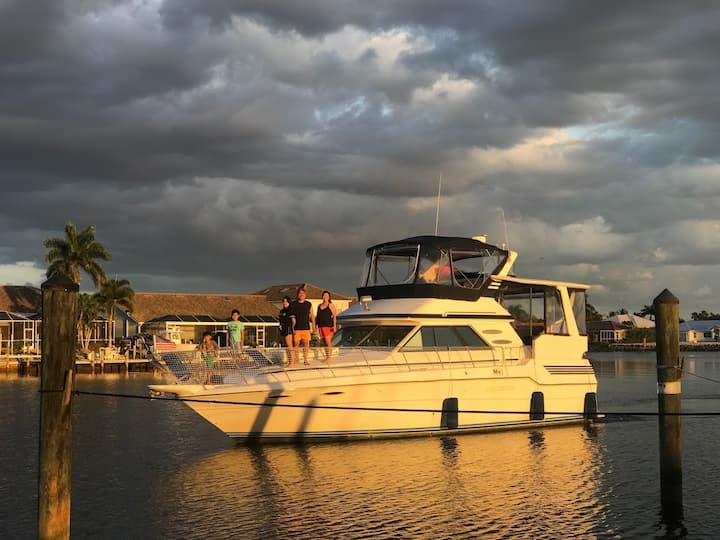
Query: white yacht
{"points": [[443, 340]]}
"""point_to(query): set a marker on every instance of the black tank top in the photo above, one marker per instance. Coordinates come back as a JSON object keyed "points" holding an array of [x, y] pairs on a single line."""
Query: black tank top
{"points": [[324, 317]]}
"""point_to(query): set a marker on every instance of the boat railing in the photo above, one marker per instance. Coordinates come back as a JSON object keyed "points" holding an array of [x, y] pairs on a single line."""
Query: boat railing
{"points": [[194, 367], [231, 366]]}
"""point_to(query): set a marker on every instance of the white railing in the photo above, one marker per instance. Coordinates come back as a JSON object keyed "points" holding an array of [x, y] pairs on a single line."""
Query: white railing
{"points": [[193, 367]]}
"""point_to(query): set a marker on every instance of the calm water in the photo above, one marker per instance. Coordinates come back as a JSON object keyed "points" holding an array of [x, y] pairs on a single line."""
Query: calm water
{"points": [[149, 469]]}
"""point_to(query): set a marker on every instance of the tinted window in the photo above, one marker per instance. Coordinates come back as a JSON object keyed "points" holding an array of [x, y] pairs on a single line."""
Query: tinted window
{"points": [[445, 337], [351, 336], [469, 337], [370, 336]]}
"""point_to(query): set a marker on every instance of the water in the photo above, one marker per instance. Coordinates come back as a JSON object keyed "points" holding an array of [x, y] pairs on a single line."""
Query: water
{"points": [[150, 469]]}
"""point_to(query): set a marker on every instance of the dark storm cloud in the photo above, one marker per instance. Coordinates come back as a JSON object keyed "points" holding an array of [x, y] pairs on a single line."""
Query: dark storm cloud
{"points": [[227, 145], [29, 29]]}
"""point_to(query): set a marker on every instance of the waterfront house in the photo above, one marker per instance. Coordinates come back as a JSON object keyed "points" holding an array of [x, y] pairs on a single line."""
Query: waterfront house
{"points": [[606, 331], [632, 321], [180, 317], [19, 323], [184, 317], [700, 331]]}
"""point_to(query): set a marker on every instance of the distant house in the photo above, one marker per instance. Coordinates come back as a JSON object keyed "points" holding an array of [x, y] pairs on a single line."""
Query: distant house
{"points": [[632, 321], [274, 294], [183, 317], [180, 317], [700, 331], [19, 321], [606, 331]]}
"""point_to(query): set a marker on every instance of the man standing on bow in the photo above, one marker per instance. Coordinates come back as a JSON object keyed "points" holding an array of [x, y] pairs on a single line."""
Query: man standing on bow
{"points": [[303, 322]]}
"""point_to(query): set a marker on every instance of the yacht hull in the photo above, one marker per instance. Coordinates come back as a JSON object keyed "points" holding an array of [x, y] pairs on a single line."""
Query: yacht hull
{"points": [[437, 404]]}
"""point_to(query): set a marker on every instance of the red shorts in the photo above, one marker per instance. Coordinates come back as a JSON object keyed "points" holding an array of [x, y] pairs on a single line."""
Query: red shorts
{"points": [[325, 331]]}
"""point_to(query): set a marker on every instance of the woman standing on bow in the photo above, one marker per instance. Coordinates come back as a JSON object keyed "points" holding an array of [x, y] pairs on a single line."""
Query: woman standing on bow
{"points": [[286, 330], [326, 322]]}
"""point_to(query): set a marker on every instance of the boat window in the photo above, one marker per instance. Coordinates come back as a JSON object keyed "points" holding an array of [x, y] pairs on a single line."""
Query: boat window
{"points": [[364, 276], [527, 309], [445, 337], [536, 310], [391, 266], [370, 336], [555, 322], [578, 299], [434, 267], [471, 268]]}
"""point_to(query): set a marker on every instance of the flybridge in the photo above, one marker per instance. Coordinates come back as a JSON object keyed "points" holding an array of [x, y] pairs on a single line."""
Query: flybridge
{"points": [[433, 266]]}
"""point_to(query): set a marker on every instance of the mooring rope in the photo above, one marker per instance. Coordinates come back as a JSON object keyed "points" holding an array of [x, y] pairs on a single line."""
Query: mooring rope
{"points": [[605, 414]]}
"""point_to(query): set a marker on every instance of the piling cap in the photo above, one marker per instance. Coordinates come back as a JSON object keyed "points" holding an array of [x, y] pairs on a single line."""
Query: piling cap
{"points": [[58, 280], [666, 297]]}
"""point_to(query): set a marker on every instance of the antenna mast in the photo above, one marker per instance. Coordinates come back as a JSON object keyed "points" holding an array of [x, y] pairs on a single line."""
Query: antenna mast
{"points": [[437, 211], [502, 214]]}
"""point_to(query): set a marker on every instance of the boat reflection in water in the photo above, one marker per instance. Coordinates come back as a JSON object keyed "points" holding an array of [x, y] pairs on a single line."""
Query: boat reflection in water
{"points": [[513, 484]]}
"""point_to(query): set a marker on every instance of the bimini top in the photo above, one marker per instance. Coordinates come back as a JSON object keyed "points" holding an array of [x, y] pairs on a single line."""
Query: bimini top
{"points": [[432, 267]]}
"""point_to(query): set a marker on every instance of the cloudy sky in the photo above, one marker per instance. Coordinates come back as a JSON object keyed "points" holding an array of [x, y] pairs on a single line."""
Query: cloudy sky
{"points": [[224, 146]]}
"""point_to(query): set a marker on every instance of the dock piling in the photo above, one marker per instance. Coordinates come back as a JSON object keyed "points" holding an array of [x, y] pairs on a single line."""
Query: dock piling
{"points": [[667, 337], [59, 336]]}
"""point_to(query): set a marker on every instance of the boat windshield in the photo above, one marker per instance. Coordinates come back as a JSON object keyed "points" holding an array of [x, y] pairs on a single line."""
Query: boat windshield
{"points": [[371, 335], [390, 266], [402, 264]]}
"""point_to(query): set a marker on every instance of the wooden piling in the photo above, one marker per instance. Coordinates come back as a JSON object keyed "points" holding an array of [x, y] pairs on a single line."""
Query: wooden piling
{"points": [[59, 339], [667, 338]]}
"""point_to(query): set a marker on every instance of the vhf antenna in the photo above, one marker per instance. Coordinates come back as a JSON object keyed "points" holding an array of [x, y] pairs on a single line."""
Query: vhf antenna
{"points": [[437, 211], [502, 214]]}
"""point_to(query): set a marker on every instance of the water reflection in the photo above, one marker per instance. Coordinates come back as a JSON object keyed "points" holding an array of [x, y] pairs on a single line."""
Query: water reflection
{"points": [[537, 439], [156, 470], [490, 485], [450, 451]]}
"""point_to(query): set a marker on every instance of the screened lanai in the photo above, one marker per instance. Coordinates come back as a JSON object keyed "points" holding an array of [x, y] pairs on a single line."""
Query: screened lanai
{"points": [[19, 334], [260, 330]]}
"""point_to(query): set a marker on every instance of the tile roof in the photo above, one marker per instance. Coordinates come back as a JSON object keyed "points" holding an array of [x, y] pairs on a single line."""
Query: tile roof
{"points": [[20, 298], [596, 326], [149, 306], [275, 293]]}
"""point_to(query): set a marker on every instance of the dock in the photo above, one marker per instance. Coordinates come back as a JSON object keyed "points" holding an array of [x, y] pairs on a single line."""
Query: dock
{"points": [[29, 364], [650, 346]]}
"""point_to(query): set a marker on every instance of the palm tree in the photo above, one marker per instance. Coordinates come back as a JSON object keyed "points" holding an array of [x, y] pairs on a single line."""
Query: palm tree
{"points": [[90, 308], [647, 311], [115, 292], [75, 252]]}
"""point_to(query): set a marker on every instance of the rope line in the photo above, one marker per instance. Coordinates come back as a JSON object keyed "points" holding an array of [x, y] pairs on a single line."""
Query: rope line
{"points": [[700, 376], [606, 414]]}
